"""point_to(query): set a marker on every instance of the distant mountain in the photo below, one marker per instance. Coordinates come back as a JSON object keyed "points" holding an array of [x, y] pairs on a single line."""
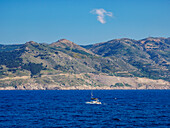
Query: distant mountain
{"points": [[151, 56], [64, 64], [9, 47], [66, 44], [62, 55]]}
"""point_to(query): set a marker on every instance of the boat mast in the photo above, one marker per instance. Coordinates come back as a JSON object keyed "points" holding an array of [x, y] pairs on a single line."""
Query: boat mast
{"points": [[92, 90], [91, 93]]}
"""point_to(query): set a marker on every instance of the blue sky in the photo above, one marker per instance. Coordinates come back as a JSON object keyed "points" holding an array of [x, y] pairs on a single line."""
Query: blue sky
{"points": [[50, 20]]}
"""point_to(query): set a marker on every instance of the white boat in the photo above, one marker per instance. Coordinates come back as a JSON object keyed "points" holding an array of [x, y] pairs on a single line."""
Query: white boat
{"points": [[93, 100]]}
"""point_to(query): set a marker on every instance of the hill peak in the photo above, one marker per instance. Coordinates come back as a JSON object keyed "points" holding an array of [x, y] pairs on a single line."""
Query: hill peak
{"points": [[63, 43], [155, 39], [31, 42]]}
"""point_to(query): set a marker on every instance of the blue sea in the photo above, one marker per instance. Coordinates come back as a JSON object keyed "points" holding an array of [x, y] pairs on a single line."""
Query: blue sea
{"points": [[67, 108]]}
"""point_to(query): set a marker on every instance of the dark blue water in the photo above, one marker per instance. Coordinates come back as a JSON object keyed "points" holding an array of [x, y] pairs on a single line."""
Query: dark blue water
{"points": [[121, 109]]}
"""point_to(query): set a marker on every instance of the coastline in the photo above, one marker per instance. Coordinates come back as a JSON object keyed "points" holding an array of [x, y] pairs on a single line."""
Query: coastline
{"points": [[82, 82], [84, 88]]}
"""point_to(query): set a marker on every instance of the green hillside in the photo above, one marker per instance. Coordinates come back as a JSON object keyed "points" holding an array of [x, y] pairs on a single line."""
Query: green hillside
{"points": [[151, 56], [64, 63], [61, 56]]}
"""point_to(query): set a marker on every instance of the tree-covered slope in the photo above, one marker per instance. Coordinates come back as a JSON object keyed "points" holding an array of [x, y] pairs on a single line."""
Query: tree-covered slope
{"points": [[151, 56], [65, 64], [61, 56]]}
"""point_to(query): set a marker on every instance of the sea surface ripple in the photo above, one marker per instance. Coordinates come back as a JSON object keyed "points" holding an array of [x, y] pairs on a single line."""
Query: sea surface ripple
{"points": [[67, 108]]}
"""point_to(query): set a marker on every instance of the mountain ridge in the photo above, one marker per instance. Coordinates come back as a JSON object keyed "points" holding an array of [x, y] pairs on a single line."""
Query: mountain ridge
{"points": [[151, 51], [52, 66]]}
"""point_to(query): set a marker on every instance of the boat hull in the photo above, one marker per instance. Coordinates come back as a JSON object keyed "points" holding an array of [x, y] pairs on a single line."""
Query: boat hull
{"points": [[93, 102]]}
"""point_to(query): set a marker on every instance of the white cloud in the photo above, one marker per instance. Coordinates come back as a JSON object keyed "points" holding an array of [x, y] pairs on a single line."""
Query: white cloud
{"points": [[101, 14]]}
